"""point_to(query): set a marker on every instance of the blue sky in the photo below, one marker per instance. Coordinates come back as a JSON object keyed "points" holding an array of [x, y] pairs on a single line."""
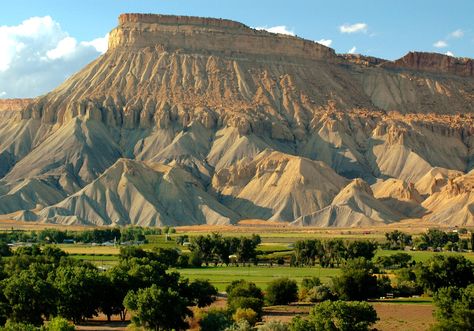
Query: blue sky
{"points": [[65, 35]]}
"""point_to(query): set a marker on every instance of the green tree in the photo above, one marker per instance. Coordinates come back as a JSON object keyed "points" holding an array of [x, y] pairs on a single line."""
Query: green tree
{"points": [[156, 308], [338, 315], [5, 250], [79, 292], [455, 308], [397, 239], [28, 297], [243, 294], [361, 248], [202, 292], [444, 271], [281, 292], [357, 281], [215, 320]]}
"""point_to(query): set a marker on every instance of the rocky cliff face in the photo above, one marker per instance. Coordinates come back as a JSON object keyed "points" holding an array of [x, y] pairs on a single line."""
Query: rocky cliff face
{"points": [[267, 126], [14, 104], [433, 62]]}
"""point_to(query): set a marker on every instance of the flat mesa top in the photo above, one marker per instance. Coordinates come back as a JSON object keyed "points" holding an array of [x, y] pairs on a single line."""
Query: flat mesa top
{"points": [[178, 20]]}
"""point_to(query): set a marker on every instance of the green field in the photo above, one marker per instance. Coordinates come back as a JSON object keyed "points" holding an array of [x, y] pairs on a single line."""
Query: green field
{"points": [[421, 256], [222, 276]]}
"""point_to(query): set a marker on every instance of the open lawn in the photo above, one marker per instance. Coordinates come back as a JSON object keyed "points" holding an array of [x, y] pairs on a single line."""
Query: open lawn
{"points": [[222, 276]]}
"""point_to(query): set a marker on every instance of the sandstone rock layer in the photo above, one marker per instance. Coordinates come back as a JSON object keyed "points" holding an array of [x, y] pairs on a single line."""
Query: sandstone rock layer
{"points": [[188, 120]]}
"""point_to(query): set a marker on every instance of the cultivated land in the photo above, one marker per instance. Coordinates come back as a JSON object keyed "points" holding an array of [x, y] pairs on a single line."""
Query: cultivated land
{"points": [[277, 240]]}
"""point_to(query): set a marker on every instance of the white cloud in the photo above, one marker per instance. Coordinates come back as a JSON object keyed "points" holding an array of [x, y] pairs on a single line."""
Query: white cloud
{"points": [[352, 50], [353, 28], [65, 47], [457, 34], [325, 42], [449, 53], [281, 29], [100, 44], [37, 55], [440, 44], [2, 94]]}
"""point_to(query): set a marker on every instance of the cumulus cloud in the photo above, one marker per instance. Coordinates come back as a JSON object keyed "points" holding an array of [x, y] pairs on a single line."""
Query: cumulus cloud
{"points": [[3, 94], [440, 44], [457, 34], [325, 42], [37, 55], [281, 29], [353, 28], [449, 53], [352, 50]]}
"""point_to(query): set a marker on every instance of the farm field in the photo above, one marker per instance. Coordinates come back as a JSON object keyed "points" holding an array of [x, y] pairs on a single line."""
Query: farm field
{"points": [[260, 275]]}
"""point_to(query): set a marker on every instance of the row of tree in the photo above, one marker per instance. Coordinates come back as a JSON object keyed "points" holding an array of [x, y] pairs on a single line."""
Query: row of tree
{"points": [[214, 248], [432, 239], [38, 284], [331, 253], [56, 236]]}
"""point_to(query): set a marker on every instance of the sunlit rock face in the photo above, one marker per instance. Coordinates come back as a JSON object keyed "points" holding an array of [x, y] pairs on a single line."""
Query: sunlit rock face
{"points": [[249, 123]]}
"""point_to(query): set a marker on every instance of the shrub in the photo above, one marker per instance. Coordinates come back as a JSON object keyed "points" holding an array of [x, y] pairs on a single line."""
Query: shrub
{"points": [[215, 320], [282, 291], [338, 315], [320, 293], [273, 326], [13, 326], [59, 324], [241, 325], [247, 314]]}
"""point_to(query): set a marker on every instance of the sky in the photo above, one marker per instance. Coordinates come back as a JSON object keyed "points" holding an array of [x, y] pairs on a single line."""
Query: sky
{"points": [[43, 42]]}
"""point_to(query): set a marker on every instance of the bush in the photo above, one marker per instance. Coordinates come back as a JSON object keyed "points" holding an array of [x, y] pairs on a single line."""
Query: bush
{"points": [[338, 315], [247, 314], [241, 325], [195, 259], [320, 293], [273, 326], [309, 283], [58, 324], [282, 291], [215, 320], [13, 326]]}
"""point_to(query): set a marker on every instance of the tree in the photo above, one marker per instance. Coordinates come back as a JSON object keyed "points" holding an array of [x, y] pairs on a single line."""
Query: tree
{"points": [[357, 281], [157, 308], [361, 248], [246, 250], [29, 297], [338, 315], [79, 292], [5, 250], [444, 271], [455, 308], [243, 294], [435, 238], [202, 292], [203, 246], [281, 292], [397, 239], [215, 320]]}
